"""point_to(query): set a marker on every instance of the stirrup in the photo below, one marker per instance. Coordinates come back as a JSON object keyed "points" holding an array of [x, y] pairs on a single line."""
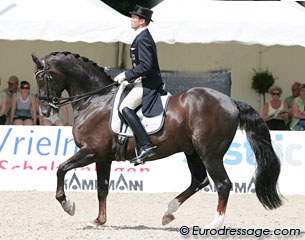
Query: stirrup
{"points": [[144, 153]]}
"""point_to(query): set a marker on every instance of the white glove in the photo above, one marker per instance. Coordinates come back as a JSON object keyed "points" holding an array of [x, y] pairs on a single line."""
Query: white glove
{"points": [[125, 83], [120, 78]]}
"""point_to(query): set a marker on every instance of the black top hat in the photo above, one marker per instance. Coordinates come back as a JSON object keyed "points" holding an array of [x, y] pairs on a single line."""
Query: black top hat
{"points": [[142, 12]]}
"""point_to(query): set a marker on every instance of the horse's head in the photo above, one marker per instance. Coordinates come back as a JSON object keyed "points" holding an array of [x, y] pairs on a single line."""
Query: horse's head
{"points": [[49, 91], [81, 77]]}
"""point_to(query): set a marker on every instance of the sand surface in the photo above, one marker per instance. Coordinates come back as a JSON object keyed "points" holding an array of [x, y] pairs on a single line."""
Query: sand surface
{"points": [[37, 215]]}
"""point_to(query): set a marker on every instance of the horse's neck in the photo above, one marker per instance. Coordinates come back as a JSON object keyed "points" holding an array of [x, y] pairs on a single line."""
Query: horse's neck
{"points": [[88, 83], [97, 100], [79, 86]]}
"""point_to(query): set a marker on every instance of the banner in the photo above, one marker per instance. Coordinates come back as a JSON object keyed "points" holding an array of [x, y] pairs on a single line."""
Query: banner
{"points": [[30, 156]]}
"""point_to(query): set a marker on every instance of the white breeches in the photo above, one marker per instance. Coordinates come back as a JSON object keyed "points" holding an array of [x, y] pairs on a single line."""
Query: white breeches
{"points": [[134, 98]]}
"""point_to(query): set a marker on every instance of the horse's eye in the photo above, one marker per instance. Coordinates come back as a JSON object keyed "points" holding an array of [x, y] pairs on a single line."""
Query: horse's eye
{"points": [[39, 76]]}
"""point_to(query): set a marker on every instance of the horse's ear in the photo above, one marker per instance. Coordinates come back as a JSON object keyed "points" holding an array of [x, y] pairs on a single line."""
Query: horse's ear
{"points": [[37, 60]]}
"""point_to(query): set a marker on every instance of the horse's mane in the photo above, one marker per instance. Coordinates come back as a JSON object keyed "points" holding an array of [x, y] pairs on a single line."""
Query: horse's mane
{"points": [[81, 58]]}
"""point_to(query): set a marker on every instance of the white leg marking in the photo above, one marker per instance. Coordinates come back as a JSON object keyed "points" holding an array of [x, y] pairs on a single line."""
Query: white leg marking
{"points": [[168, 215], [217, 222], [172, 207]]}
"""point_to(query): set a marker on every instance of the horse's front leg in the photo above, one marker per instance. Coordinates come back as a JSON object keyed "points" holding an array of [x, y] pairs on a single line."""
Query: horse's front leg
{"points": [[103, 175], [80, 159]]}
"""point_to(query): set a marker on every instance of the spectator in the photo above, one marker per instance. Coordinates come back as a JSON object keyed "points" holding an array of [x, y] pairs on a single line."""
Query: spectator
{"points": [[275, 112], [298, 111], [295, 88], [13, 83], [289, 100], [23, 110], [3, 106]]}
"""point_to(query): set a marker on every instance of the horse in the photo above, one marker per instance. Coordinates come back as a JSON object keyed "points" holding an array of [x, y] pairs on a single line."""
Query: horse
{"points": [[200, 122]]}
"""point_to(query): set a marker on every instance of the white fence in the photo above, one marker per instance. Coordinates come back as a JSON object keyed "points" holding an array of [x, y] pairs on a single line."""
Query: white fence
{"points": [[30, 157]]}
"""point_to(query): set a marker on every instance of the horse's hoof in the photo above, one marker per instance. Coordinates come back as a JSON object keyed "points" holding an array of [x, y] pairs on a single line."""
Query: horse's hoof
{"points": [[211, 226], [167, 219], [93, 225], [69, 207], [217, 222]]}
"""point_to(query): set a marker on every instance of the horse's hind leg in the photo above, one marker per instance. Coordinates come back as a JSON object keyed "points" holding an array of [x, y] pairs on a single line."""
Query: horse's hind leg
{"points": [[199, 180], [223, 186]]}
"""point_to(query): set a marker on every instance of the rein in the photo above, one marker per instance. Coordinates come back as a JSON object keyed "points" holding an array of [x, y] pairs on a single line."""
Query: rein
{"points": [[57, 102]]}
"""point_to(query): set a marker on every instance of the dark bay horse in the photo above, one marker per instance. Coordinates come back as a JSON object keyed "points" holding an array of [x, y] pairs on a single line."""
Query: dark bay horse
{"points": [[200, 122]]}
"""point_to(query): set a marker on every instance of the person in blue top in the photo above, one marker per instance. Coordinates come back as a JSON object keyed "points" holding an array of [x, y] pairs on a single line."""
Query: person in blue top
{"points": [[146, 77]]}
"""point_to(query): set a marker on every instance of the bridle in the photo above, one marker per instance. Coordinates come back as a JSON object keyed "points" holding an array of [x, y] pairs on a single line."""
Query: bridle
{"points": [[51, 97]]}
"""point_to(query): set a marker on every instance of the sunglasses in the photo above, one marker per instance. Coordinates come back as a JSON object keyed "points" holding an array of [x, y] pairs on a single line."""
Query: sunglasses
{"points": [[25, 87], [277, 94]]}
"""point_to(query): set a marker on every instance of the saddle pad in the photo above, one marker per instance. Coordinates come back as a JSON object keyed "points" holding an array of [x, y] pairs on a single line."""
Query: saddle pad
{"points": [[151, 125]]}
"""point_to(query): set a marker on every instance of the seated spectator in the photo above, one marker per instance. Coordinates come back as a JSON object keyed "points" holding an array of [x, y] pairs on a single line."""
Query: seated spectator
{"points": [[13, 84], [298, 111], [289, 100], [295, 88], [3, 107], [23, 111], [275, 112]]}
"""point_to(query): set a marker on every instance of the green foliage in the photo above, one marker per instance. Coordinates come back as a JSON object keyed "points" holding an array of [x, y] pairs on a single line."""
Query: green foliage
{"points": [[262, 81]]}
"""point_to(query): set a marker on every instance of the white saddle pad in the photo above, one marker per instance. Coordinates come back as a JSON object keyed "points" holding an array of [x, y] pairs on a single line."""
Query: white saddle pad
{"points": [[151, 124]]}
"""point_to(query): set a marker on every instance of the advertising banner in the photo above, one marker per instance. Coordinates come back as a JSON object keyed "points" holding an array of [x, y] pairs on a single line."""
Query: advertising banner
{"points": [[30, 156]]}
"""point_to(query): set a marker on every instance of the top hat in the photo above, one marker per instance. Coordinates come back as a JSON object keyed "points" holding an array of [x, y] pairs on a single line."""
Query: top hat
{"points": [[142, 12]]}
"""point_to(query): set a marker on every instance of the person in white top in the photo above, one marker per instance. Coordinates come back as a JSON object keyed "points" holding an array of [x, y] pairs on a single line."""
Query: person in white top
{"points": [[275, 111], [23, 111]]}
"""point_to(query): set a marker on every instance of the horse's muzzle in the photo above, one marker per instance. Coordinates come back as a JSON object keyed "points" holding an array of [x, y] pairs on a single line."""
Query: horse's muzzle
{"points": [[45, 109]]}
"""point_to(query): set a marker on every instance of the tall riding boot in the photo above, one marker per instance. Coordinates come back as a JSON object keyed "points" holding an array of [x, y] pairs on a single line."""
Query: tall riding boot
{"points": [[146, 148]]}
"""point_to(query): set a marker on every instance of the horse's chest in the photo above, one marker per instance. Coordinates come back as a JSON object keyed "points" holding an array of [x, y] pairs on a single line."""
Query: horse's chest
{"points": [[89, 124]]}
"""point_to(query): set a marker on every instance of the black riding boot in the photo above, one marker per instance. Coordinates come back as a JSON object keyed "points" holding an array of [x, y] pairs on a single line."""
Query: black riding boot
{"points": [[146, 147]]}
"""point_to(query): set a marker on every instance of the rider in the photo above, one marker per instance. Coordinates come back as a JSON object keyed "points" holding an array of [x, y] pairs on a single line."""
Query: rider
{"points": [[147, 81]]}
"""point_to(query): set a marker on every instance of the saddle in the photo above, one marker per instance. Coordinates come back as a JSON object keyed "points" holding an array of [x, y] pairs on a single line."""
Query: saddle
{"points": [[119, 126]]}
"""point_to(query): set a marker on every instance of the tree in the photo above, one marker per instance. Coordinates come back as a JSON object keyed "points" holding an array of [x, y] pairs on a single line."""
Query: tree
{"points": [[262, 81]]}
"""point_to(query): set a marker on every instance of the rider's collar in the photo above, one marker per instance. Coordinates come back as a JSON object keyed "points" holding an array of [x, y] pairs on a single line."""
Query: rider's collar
{"points": [[139, 30]]}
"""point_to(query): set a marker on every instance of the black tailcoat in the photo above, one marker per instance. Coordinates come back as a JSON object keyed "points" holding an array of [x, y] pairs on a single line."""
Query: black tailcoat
{"points": [[144, 59]]}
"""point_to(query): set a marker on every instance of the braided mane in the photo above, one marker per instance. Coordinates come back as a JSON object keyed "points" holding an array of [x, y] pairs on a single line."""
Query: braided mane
{"points": [[84, 59]]}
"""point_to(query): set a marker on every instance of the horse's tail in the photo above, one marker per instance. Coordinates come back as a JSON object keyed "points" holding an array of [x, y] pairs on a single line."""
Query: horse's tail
{"points": [[268, 164]]}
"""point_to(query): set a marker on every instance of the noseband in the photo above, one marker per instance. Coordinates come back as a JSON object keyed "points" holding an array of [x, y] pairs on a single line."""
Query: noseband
{"points": [[51, 97]]}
